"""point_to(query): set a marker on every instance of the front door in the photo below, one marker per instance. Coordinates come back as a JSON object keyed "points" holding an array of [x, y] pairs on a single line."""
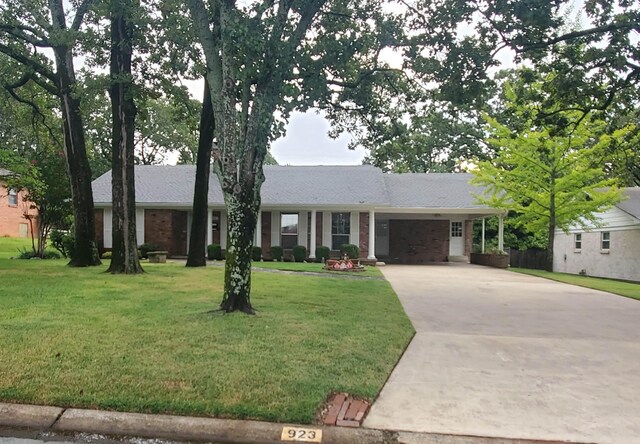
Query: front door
{"points": [[382, 238], [456, 238]]}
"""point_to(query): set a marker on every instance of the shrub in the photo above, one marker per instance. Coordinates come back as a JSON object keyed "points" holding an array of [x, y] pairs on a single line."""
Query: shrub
{"points": [[256, 254], [299, 253], [276, 253], [25, 254], [322, 253], [63, 242], [214, 252], [107, 255], [146, 248], [352, 250], [48, 254]]}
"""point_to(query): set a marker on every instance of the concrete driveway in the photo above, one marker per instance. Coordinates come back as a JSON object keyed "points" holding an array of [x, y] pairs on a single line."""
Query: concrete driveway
{"points": [[501, 354]]}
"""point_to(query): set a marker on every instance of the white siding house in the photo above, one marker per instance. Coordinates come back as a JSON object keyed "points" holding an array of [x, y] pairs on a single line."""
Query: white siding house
{"points": [[611, 250]]}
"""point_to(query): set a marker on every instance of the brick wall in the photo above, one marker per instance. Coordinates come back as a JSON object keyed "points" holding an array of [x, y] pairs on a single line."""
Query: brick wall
{"points": [[12, 216], [319, 229], [99, 214], [418, 241], [158, 228], [266, 234], [468, 237], [364, 234]]}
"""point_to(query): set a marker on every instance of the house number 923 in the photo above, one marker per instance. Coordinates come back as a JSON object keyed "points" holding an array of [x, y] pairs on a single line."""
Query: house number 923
{"points": [[301, 435]]}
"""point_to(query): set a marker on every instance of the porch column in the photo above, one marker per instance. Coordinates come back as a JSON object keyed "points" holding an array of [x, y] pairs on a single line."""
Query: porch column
{"points": [[501, 232], [258, 230], [372, 235], [209, 224], [312, 243], [483, 231]]}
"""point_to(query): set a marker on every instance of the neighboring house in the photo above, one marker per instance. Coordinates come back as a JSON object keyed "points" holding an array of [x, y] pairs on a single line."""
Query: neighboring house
{"points": [[13, 208], [611, 250], [401, 218]]}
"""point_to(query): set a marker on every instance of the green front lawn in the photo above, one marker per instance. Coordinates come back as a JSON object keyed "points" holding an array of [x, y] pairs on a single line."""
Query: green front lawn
{"points": [[316, 268], [150, 343], [622, 288], [12, 246]]}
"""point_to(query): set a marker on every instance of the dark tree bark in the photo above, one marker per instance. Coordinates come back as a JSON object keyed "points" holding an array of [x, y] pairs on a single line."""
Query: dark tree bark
{"points": [[199, 222], [124, 257], [85, 249]]}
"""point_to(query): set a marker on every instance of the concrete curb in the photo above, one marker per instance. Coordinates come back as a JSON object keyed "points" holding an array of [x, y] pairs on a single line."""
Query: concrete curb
{"points": [[182, 428], [28, 416]]}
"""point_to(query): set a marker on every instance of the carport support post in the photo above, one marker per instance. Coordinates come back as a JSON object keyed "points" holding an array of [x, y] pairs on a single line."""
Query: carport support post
{"points": [[312, 244], [258, 231], [501, 232], [483, 232], [209, 228], [372, 235]]}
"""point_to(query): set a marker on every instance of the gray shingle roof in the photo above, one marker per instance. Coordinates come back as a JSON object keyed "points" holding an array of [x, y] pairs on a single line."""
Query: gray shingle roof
{"points": [[431, 190], [361, 185], [631, 201]]}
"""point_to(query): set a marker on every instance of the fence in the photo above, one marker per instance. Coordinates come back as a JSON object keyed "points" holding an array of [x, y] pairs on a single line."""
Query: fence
{"points": [[534, 259]]}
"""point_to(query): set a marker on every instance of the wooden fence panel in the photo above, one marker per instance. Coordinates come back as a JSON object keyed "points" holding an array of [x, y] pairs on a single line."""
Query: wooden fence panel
{"points": [[533, 259]]}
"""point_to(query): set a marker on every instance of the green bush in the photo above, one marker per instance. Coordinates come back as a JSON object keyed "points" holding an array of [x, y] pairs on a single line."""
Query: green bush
{"points": [[107, 255], [146, 248], [299, 253], [48, 254], [322, 253], [214, 252], [276, 253], [256, 254], [352, 250], [29, 254], [63, 242]]}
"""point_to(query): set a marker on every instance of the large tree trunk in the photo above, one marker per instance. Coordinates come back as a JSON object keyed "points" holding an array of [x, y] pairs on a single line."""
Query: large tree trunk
{"points": [[85, 249], [199, 222], [242, 210], [124, 256]]}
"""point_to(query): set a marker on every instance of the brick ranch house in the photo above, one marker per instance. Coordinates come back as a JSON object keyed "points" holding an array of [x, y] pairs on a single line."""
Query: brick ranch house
{"points": [[398, 218], [13, 208]]}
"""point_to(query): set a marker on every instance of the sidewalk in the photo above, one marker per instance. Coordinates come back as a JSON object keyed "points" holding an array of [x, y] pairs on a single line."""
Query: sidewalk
{"points": [[44, 419]]}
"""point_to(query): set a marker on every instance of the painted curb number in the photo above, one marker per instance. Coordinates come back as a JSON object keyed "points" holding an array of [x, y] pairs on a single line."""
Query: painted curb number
{"points": [[301, 435]]}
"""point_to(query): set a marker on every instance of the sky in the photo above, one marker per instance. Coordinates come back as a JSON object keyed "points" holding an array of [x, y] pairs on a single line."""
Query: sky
{"points": [[307, 143]]}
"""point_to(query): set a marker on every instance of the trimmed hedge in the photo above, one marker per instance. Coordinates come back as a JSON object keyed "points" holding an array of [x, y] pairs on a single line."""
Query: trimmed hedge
{"points": [[276, 253], [352, 250], [299, 253], [322, 253], [256, 254], [145, 248], [214, 252]]}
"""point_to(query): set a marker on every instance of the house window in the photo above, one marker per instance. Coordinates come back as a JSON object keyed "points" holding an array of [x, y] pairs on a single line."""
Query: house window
{"points": [[289, 230], [456, 229], [340, 229], [605, 241], [13, 198], [577, 241]]}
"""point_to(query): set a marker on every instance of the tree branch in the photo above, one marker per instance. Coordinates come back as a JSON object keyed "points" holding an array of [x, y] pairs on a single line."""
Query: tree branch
{"points": [[34, 65], [574, 35], [80, 13]]}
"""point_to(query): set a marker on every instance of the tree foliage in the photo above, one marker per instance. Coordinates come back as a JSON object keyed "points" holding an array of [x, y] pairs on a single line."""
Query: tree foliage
{"points": [[552, 177]]}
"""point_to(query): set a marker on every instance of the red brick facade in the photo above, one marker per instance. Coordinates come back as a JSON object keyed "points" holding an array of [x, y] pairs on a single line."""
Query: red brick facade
{"points": [[168, 229], [266, 234], [418, 241], [99, 214], [364, 234], [12, 217]]}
